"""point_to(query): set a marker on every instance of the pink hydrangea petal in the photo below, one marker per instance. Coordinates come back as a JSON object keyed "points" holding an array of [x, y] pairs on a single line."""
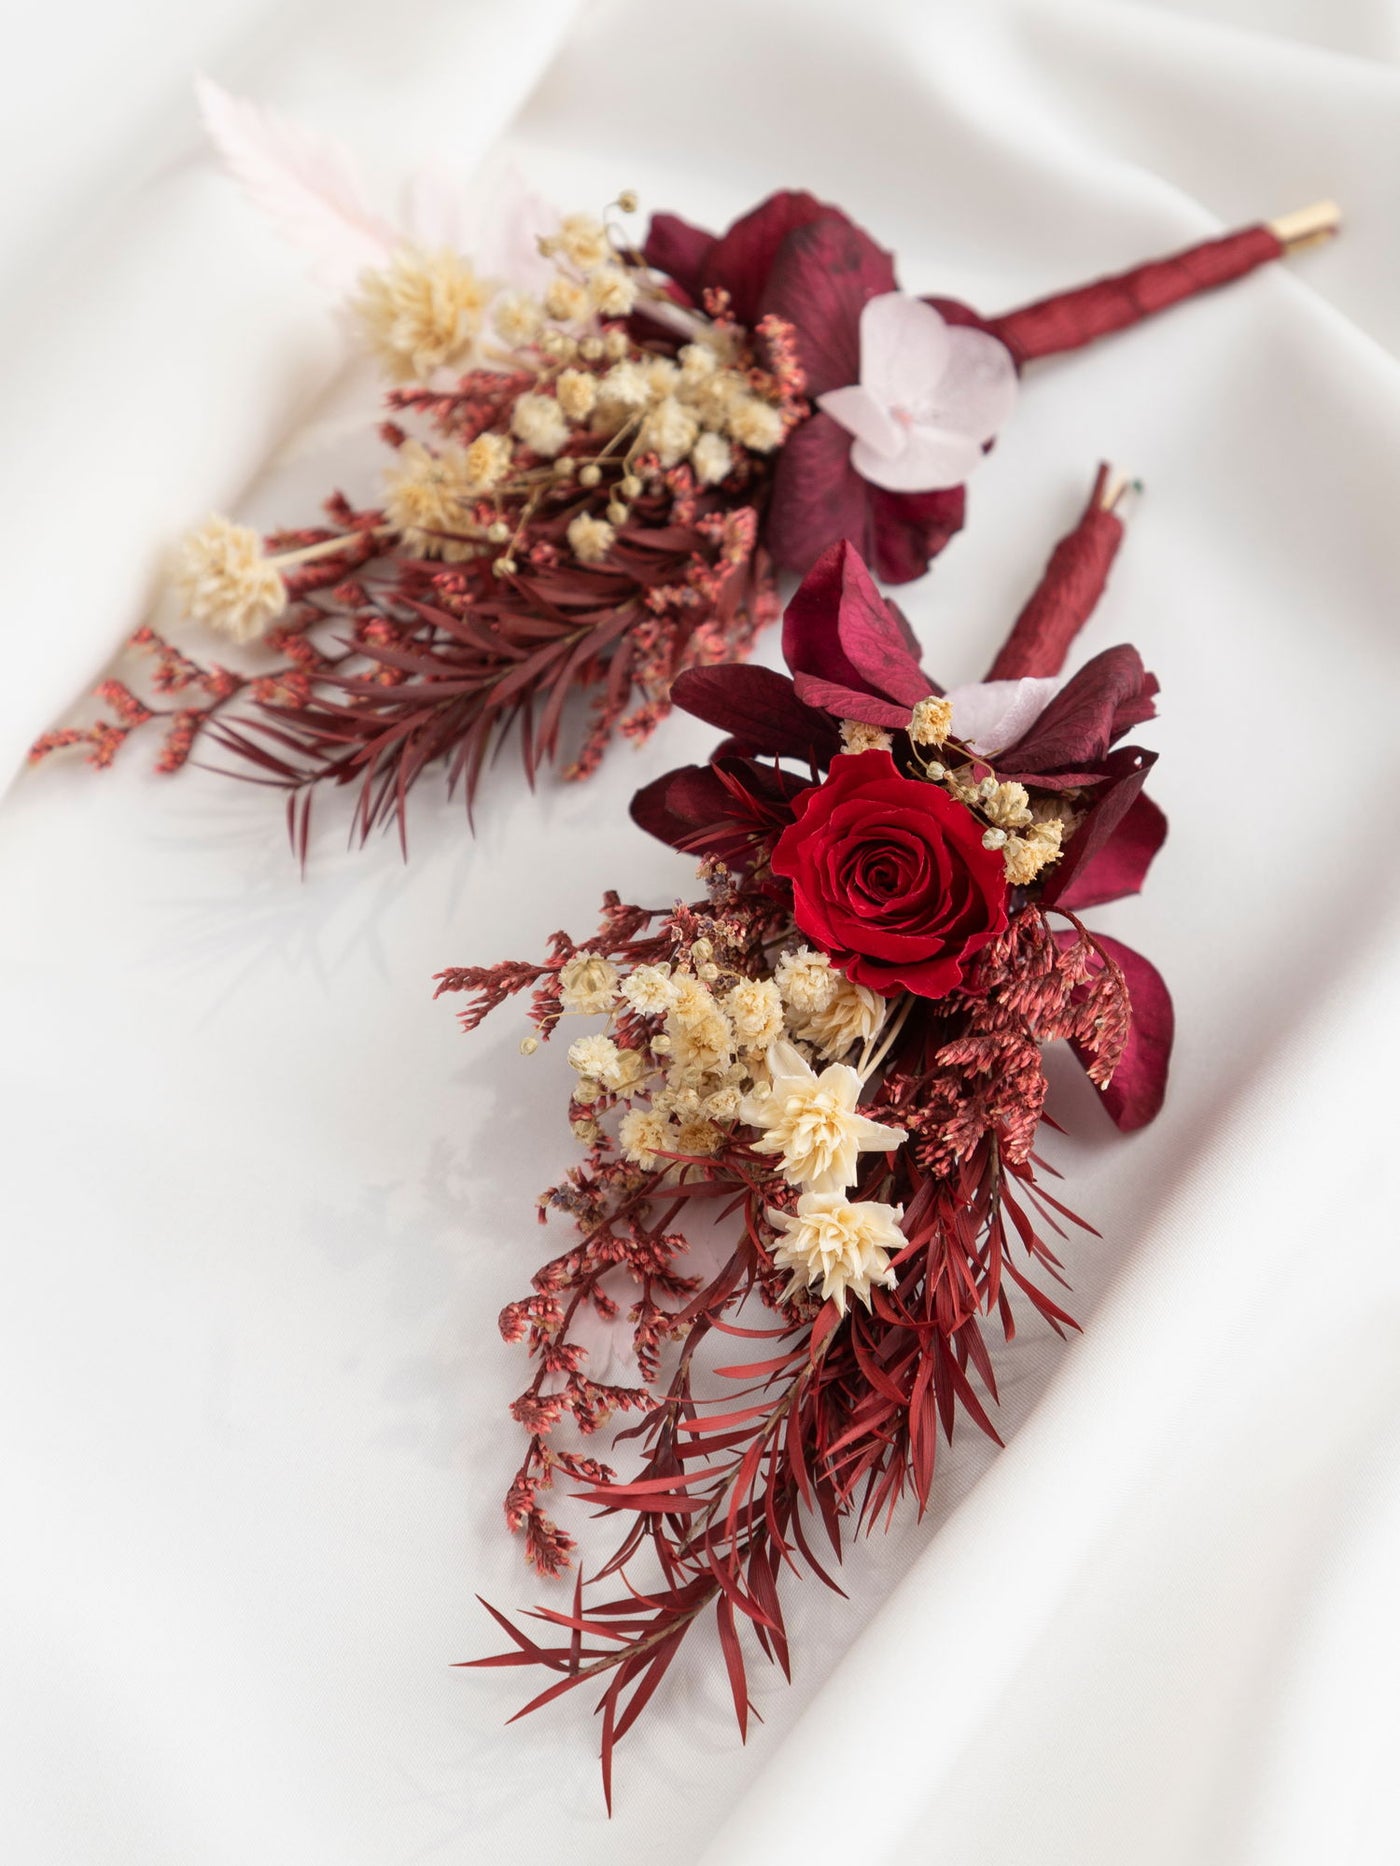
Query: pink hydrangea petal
{"points": [[861, 415], [929, 461], [977, 390], [904, 346], [991, 714]]}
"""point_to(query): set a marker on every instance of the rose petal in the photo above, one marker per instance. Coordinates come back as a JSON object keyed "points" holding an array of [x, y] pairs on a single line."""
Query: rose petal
{"points": [[991, 714], [930, 460]]}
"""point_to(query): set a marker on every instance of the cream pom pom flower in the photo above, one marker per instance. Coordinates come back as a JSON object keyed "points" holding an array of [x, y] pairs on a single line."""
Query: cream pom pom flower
{"points": [[587, 984], [841, 1245], [226, 581], [428, 499], [812, 1120], [421, 311]]}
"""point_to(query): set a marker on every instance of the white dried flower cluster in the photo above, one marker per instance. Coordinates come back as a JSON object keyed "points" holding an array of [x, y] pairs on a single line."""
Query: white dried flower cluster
{"points": [[931, 721], [429, 495], [1026, 855], [226, 581], [422, 311], [693, 1051]]}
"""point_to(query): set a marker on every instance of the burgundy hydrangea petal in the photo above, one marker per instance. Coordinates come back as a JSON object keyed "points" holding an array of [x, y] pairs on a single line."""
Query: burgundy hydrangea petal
{"points": [[876, 642], [907, 530], [1129, 767], [817, 497], [813, 640], [760, 709], [822, 276], [1139, 1084], [679, 250], [1096, 706], [847, 703], [954, 311], [1119, 865], [741, 260], [838, 628]]}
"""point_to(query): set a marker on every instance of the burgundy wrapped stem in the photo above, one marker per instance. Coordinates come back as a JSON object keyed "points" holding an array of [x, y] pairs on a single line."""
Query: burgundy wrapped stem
{"points": [[1069, 320], [1068, 592]]}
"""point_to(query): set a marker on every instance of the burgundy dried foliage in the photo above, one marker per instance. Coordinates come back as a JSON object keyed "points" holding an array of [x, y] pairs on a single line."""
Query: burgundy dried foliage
{"points": [[815, 1427]]}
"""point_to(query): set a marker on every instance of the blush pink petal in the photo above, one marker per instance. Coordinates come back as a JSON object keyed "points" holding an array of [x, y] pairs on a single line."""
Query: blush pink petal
{"points": [[978, 389], [861, 415], [992, 714], [927, 460]]}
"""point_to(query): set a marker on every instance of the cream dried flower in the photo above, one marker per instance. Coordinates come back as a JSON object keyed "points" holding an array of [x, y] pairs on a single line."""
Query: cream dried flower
{"points": [[698, 361], [517, 319], [590, 539], [840, 1245], [755, 424], [713, 459], [566, 300], [669, 431], [812, 1121], [584, 240], [625, 385], [643, 1135], [613, 292], [539, 421], [853, 1016], [702, 1041], [755, 1010], [487, 461], [699, 1137], [1025, 856], [931, 721], [649, 990], [428, 495], [421, 311], [587, 984], [807, 981], [577, 392], [1008, 806], [857, 736], [594, 1057], [226, 581]]}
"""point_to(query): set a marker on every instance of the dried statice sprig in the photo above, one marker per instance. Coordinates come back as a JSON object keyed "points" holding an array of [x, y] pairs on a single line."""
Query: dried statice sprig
{"points": [[837, 1412], [579, 513]]}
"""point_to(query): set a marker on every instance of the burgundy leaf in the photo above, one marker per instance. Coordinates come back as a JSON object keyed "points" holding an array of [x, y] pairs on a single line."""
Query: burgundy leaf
{"points": [[760, 708], [839, 629], [818, 496]]}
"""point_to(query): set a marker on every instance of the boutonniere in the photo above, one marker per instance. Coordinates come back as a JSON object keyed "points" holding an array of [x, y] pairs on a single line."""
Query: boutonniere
{"points": [[811, 1106], [599, 447]]}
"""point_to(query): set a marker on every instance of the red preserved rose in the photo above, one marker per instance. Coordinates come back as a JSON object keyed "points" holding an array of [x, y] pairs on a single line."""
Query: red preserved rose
{"points": [[890, 877]]}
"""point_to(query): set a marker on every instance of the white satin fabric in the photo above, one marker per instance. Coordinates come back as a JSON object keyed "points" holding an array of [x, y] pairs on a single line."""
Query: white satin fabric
{"points": [[263, 1201]]}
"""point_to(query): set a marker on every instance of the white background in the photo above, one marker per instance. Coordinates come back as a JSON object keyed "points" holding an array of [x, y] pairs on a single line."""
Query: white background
{"points": [[262, 1201]]}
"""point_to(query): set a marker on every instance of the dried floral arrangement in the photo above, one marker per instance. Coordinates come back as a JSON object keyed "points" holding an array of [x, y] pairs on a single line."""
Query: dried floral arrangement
{"points": [[833, 1059], [600, 451]]}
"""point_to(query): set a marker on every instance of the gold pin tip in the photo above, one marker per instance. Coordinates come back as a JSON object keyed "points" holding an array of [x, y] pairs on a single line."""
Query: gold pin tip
{"points": [[1307, 225]]}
